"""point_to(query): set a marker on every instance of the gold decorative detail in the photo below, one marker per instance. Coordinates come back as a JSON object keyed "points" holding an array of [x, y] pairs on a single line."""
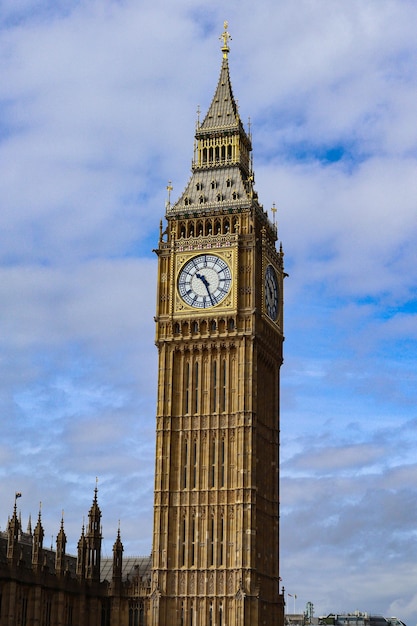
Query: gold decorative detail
{"points": [[274, 211], [225, 36]]}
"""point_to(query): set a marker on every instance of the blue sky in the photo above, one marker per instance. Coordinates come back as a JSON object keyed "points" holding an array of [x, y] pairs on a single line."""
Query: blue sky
{"points": [[98, 104]]}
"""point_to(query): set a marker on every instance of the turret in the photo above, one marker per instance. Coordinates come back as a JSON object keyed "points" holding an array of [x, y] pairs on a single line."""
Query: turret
{"points": [[13, 531], [61, 542], [81, 555], [117, 562], [37, 545], [93, 539]]}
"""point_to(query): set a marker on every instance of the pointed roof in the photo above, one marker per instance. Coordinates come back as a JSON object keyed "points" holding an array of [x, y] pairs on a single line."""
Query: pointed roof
{"points": [[222, 177], [223, 111]]}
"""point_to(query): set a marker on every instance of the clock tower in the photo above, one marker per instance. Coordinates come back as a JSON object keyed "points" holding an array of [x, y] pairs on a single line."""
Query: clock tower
{"points": [[219, 334]]}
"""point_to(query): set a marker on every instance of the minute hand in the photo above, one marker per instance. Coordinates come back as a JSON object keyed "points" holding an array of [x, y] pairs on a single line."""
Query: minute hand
{"points": [[206, 284]]}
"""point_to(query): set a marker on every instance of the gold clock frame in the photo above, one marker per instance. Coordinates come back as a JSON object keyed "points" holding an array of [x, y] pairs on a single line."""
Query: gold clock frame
{"points": [[229, 303]]}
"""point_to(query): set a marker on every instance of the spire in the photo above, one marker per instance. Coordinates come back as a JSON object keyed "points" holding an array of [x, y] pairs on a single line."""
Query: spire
{"points": [[81, 554], [13, 529], [223, 112], [93, 539], [61, 542], [37, 545], [222, 177], [117, 561]]}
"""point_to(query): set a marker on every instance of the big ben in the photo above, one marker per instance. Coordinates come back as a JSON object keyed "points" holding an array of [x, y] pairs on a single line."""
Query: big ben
{"points": [[219, 334]]}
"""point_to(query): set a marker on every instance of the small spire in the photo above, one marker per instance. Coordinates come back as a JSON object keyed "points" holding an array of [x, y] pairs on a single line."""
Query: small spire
{"points": [[274, 211], [169, 189], [225, 36]]}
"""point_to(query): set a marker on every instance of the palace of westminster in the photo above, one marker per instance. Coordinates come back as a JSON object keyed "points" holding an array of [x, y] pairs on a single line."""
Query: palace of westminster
{"points": [[219, 335]]}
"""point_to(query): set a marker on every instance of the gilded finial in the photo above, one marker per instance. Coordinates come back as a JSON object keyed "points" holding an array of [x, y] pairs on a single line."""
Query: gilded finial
{"points": [[225, 36], [169, 189], [274, 211]]}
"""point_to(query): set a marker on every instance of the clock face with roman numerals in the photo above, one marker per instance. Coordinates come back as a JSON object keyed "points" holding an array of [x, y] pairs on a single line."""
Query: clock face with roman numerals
{"points": [[271, 293], [204, 281]]}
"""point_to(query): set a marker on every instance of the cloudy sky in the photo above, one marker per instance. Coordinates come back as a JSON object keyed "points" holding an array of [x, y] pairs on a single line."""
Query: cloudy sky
{"points": [[98, 102]]}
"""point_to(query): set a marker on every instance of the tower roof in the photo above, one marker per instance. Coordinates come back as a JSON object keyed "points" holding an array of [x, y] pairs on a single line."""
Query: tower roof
{"points": [[222, 176], [223, 111]]}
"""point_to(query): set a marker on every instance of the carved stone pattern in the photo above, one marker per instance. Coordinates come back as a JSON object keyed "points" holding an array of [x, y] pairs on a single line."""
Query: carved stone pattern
{"points": [[211, 583], [192, 584], [182, 583], [201, 583], [230, 583], [221, 583]]}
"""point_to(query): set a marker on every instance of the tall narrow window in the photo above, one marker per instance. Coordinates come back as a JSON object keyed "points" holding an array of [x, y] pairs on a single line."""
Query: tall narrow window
{"points": [[213, 463], [211, 542], [184, 464], [183, 540], [222, 462], [196, 387], [182, 614], [187, 389], [221, 546], [193, 543], [194, 481], [192, 614], [221, 615], [223, 387], [215, 383], [211, 615]]}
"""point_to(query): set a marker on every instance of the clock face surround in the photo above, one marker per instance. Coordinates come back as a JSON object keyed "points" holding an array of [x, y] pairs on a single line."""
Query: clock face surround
{"points": [[204, 281], [271, 293]]}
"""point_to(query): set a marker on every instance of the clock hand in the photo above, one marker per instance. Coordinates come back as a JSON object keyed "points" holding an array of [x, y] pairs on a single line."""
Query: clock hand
{"points": [[206, 284]]}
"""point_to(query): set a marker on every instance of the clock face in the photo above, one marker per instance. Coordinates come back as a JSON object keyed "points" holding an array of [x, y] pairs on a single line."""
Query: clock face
{"points": [[204, 281], [271, 293]]}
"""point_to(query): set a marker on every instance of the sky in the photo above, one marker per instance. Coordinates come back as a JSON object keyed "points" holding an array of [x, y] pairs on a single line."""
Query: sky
{"points": [[98, 106]]}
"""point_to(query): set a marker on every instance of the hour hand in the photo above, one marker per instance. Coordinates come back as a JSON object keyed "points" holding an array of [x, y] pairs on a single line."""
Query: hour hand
{"points": [[203, 280]]}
